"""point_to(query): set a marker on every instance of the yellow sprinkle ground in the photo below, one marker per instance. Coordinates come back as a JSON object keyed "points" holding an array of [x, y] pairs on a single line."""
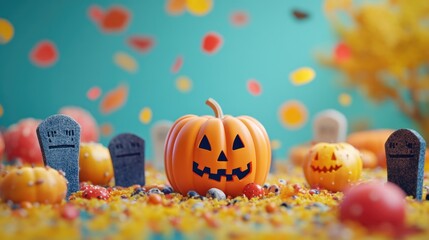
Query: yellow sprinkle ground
{"points": [[177, 217]]}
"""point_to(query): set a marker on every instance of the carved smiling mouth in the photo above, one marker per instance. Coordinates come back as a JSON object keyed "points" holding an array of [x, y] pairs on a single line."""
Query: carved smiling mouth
{"points": [[222, 172], [324, 169]]}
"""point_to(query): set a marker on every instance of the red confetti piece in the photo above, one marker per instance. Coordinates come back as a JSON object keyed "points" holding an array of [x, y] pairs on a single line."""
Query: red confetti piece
{"points": [[300, 15], [341, 52], [44, 54], [141, 43], [239, 18], [115, 19], [93, 93], [254, 87], [106, 129], [95, 13], [212, 42], [175, 7], [114, 99], [177, 64]]}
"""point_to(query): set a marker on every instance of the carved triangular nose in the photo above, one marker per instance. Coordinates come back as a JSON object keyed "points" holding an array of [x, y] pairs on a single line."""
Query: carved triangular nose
{"points": [[222, 157]]}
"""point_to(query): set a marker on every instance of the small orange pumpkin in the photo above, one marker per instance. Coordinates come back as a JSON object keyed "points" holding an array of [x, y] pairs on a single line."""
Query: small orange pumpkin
{"points": [[38, 184], [95, 164], [223, 152], [332, 166]]}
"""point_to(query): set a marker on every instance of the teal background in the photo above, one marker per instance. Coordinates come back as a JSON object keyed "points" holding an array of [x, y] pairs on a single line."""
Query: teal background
{"points": [[267, 49]]}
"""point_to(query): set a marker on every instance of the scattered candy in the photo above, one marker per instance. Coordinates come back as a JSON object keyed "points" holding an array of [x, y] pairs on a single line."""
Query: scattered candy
{"points": [[154, 199], [345, 99], [167, 190], [69, 212], [253, 190], [154, 191], [193, 194], [216, 194], [274, 189], [183, 84], [94, 191]]}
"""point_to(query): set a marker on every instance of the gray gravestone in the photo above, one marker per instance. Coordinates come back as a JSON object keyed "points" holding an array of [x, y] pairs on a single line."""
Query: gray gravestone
{"points": [[330, 126], [127, 152], [159, 134], [59, 139], [405, 154]]}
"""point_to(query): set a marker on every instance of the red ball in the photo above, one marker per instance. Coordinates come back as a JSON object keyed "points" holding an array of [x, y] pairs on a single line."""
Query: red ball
{"points": [[252, 190], [21, 142], [375, 205], [1, 146], [93, 191], [89, 127]]}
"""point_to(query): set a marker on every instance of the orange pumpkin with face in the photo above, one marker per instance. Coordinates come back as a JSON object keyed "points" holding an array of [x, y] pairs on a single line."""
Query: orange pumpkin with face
{"points": [[38, 184], [223, 152], [332, 166]]}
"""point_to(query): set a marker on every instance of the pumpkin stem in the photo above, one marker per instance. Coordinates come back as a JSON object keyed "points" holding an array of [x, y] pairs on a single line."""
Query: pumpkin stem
{"points": [[216, 107]]}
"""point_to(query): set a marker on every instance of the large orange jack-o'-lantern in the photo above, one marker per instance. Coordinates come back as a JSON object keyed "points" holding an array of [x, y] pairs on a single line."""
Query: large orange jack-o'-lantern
{"points": [[223, 152], [332, 166]]}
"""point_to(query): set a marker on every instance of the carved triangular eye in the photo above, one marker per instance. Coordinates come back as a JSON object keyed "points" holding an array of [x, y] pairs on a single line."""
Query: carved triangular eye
{"points": [[237, 143], [204, 144], [317, 156], [333, 157]]}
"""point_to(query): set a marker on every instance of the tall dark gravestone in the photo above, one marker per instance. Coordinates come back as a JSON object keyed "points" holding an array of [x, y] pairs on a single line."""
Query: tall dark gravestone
{"points": [[128, 158], [59, 139], [405, 154]]}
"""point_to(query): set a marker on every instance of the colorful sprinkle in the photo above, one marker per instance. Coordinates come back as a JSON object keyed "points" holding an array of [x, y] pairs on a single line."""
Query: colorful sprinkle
{"points": [[126, 62], [199, 7], [300, 15], [302, 76], [178, 63], [254, 87], [175, 7], [1, 110], [345, 99], [44, 54], [6, 31], [212, 42], [293, 114], [95, 13], [341, 52], [93, 93], [106, 129], [114, 99], [142, 44], [276, 144], [145, 115], [183, 84], [115, 19], [239, 18]]}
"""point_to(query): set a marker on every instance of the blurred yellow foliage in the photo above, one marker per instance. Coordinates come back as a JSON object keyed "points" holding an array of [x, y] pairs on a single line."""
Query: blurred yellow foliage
{"points": [[388, 52]]}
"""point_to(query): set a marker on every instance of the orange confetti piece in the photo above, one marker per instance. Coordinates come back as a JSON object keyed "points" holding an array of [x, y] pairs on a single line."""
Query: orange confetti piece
{"points": [[345, 99], [93, 93], [184, 84], [177, 64], [175, 7], [293, 114], [106, 129], [254, 87], [199, 7], [6, 31], [114, 99], [126, 62]]}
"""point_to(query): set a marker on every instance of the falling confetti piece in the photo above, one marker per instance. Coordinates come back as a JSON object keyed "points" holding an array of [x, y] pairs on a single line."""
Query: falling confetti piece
{"points": [[115, 19], [142, 44], [199, 7], [293, 114], [95, 13], [145, 115], [345, 99], [106, 129], [300, 15], [114, 99], [44, 54], [254, 87], [212, 42], [275, 144], [1, 111], [184, 84], [126, 62], [6, 31], [302, 76], [341, 52], [239, 18], [93, 93], [175, 7], [177, 64]]}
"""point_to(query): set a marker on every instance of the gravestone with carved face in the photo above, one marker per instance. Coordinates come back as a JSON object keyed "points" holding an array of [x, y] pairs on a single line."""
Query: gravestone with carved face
{"points": [[405, 154], [59, 139], [128, 157]]}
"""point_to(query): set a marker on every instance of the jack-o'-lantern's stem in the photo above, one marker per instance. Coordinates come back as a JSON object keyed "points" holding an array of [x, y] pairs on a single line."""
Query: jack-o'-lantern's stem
{"points": [[216, 107]]}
